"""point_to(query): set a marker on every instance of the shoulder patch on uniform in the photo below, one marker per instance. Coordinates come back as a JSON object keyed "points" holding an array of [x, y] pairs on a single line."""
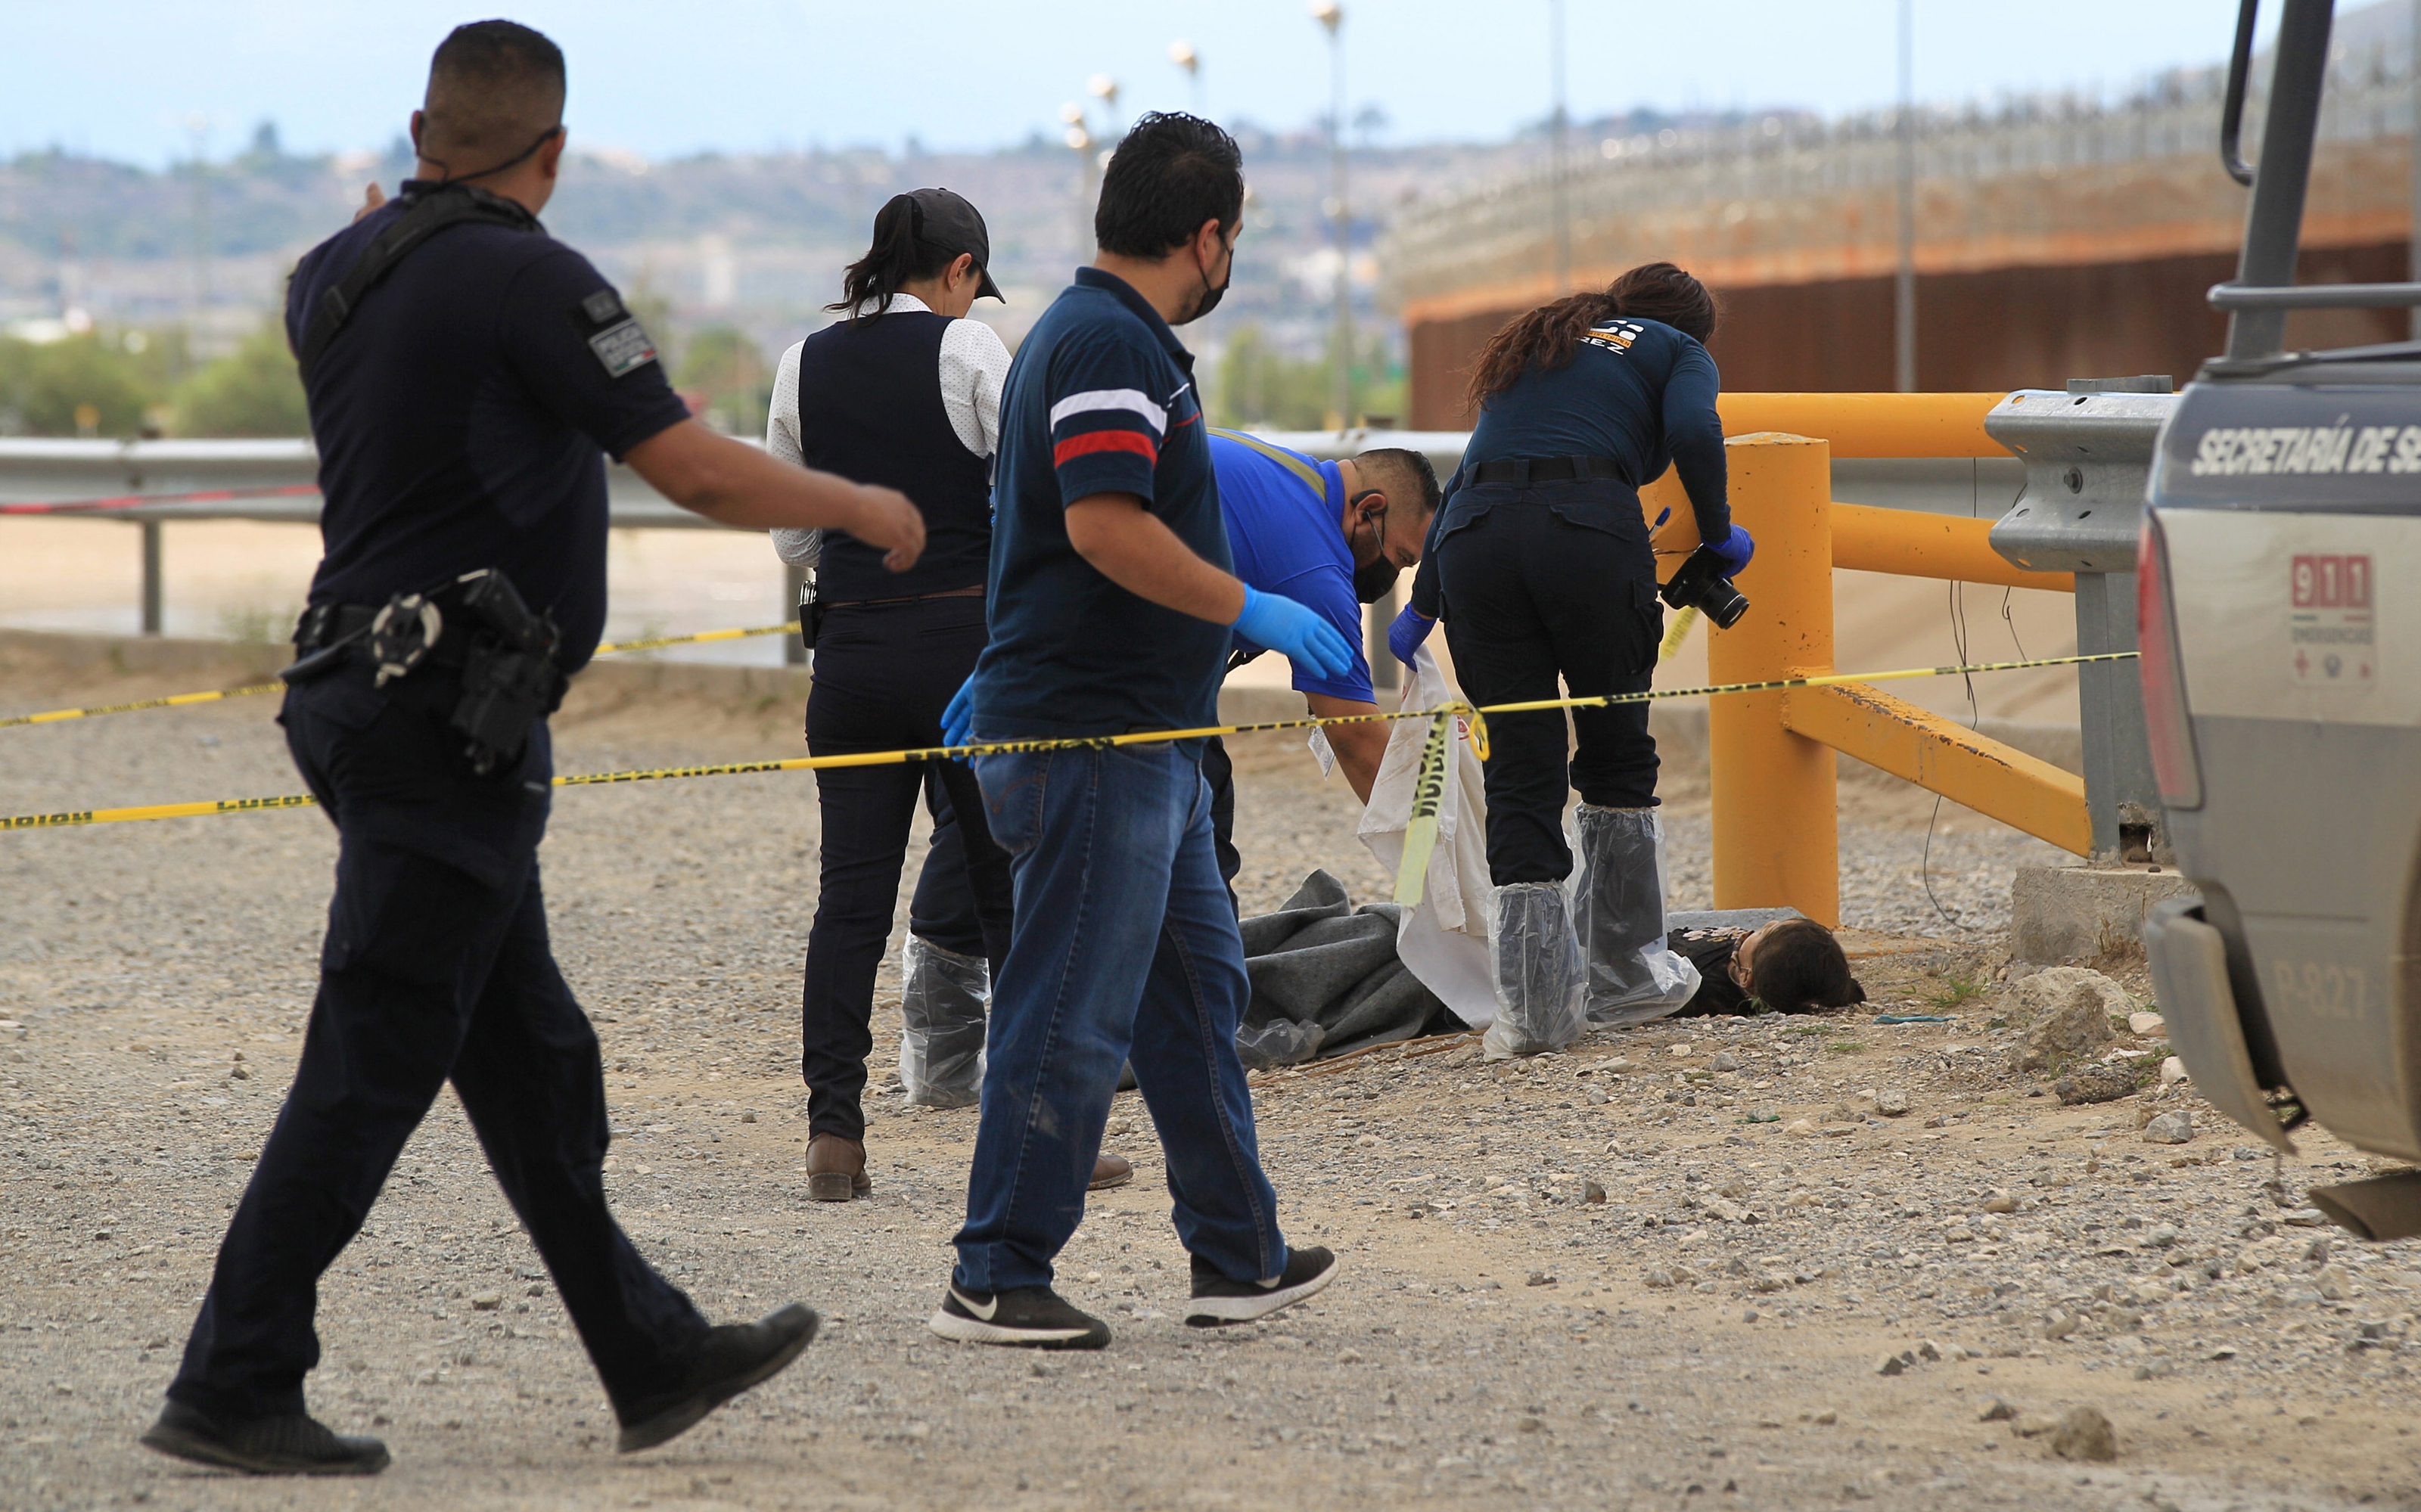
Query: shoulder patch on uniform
{"points": [[1616, 336], [621, 345]]}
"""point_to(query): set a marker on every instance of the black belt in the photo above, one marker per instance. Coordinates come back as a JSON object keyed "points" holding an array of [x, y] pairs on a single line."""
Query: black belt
{"points": [[326, 624], [976, 591], [1526, 470]]}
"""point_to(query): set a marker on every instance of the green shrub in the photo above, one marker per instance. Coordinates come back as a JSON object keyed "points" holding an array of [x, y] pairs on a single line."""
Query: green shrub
{"points": [[251, 391]]}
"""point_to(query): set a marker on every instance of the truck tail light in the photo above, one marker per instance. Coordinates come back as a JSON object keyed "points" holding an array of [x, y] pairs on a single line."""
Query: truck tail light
{"points": [[2168, 727]]}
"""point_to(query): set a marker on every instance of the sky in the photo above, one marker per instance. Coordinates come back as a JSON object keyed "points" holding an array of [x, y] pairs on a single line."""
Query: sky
{"points": [[132, 79]]}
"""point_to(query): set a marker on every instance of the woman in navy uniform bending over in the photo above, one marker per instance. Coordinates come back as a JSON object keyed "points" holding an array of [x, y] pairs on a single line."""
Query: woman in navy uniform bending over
{"points": [[907, 391], [1542, 573]]}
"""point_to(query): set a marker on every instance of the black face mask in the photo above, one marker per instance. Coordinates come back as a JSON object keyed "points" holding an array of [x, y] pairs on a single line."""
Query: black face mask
{"points": [[1376, 581], [1211, 297]]}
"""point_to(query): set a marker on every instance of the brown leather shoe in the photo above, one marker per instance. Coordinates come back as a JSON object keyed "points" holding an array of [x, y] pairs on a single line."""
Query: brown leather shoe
{"points": [[836, 1168], [1110, 1171]]}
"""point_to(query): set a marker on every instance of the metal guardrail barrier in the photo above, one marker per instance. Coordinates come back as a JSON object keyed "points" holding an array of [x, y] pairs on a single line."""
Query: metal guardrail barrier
{"points": [[35, 472], [1776, 838], [1930, 462], [2088, 455]]}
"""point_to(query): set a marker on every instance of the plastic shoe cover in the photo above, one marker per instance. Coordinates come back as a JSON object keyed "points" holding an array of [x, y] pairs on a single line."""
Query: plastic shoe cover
{"points": [[1633, 975], [942, 1001], [1539, 973], [1278, 1042]]}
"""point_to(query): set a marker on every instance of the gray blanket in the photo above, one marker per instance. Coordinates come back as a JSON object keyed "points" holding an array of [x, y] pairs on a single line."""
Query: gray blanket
{"points": [[1326, 979]]}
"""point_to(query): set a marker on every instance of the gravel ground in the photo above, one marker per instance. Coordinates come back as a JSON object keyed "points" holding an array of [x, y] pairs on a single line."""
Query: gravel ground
{"points": [[1709, 1333]]}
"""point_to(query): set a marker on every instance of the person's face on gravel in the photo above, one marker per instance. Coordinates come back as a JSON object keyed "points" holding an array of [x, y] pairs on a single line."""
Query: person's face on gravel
{"points": [[1742, 952]]}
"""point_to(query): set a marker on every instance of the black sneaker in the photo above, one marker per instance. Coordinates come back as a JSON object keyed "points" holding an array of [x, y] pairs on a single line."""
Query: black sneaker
{"points": [[727, 1362], [1218, 1299], [298, 1444], [1032, 1317]]}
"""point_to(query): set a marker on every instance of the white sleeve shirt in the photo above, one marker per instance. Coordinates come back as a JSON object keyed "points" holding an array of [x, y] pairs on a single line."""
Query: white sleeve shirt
{"points": [[974, 364]]}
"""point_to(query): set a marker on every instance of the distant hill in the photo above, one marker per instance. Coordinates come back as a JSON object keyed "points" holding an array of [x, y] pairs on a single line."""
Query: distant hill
{"points": [[752, 241]]}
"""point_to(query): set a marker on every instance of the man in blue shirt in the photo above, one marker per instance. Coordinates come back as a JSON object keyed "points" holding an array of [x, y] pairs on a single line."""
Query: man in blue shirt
{"points": [[1111, 610], [1331, 535]]}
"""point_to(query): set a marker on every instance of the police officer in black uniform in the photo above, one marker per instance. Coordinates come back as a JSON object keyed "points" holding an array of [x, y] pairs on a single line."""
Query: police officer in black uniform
{"points": [[464, 371]]}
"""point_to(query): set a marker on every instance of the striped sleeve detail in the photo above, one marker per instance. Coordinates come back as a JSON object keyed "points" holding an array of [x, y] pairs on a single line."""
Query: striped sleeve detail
{"points": [[1096, 402], [1090, 442], [1110, 421]]}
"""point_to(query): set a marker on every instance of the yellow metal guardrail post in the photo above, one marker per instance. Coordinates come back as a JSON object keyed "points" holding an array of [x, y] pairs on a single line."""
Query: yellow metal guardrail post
{"points": [[1775, 839], [1772, 754], [1871, 425]]}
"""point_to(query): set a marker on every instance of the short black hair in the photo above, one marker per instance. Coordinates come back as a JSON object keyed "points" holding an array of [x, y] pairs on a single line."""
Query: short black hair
{"points": [[1410, 465], [493, 86], [1172, 173]]}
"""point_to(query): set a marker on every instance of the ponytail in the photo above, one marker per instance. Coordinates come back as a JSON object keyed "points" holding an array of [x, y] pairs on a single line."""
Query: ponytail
{"points": [[898, 256], [1548, 336]]}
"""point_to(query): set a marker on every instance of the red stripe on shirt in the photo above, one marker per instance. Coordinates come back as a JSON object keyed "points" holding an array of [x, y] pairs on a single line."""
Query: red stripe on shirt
{"points": [[1093, 440]]}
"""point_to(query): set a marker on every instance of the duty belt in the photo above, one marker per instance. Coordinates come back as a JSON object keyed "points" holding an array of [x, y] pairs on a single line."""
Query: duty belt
{"points": [[974, 591], [1520, 471], [475, 625], [327, 624]]}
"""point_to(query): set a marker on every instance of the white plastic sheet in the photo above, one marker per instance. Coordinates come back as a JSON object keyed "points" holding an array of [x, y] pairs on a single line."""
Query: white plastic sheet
{"points": [[1445, 941]]}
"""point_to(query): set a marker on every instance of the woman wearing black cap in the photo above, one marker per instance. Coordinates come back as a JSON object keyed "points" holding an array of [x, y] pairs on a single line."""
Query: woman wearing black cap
{"points": [[906, 392]]}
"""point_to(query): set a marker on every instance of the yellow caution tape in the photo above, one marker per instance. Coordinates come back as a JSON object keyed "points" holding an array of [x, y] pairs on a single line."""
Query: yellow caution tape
{"points": [[788, 627], [155, 811], [1433, 757], [173, 701], [1420, 836], [1678, 632], [179, 700]]}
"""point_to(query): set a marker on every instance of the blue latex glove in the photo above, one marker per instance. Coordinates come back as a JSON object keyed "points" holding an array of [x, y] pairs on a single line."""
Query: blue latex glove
{"points": [[959, 716], [1405, 635], [1737, 549], [1294, 633]]}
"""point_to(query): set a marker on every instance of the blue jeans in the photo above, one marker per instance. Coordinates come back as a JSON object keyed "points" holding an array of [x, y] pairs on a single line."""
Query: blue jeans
{"points": [[1124, 948]]}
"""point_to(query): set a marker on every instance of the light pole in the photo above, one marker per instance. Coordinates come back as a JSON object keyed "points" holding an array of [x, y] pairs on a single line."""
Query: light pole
{"points": [[1080, 141], [1105, 89], [1181, 53], [1561, 127], [1904, 282], [198, 127], [1331, 16]]}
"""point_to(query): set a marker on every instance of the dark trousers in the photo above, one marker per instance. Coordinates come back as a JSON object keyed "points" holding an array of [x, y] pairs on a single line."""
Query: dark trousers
{"points": [[883, 674], [1554, 581], [436, 967]]}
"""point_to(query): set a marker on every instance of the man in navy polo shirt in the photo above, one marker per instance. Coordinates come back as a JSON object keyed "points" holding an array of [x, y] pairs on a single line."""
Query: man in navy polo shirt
{"points": [[1111, 610]]}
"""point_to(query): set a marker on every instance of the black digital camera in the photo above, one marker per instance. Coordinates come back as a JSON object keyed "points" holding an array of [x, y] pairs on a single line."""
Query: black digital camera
{"points": [[1700, 584]]}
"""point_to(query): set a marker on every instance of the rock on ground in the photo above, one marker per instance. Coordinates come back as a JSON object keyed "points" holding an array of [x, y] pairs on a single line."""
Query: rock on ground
{"points": [[2084, 1433], [2036, 994], [2170, 1128], [2069, 1010], [2097, 1083]]}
